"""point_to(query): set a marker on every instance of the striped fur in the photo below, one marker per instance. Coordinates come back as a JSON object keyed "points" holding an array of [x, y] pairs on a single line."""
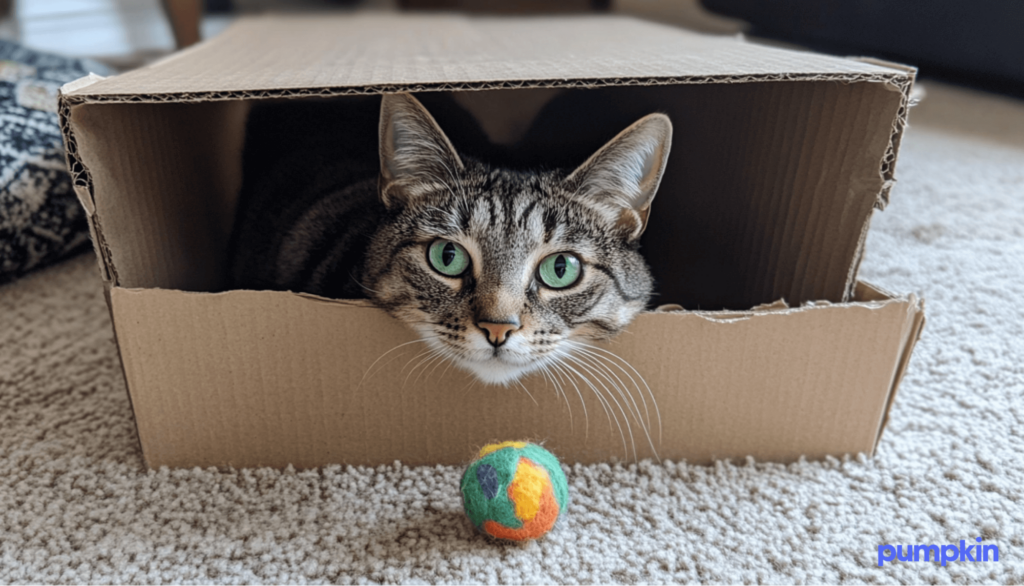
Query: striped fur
{"points": [[370, 238]]}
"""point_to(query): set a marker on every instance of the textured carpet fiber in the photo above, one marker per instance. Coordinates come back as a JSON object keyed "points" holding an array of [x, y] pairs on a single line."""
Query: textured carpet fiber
{"points": [[77, 506]]}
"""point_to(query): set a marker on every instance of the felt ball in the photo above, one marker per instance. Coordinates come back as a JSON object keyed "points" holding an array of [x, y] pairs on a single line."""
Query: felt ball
{"points": [[514, 491]]}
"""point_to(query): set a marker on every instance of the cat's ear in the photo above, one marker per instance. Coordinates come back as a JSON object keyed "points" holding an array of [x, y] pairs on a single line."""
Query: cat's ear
{"points": [[415, 155], [622, 177]]}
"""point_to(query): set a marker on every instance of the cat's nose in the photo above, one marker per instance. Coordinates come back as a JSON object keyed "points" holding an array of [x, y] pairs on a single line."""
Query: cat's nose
{"points": [[498, 332]]}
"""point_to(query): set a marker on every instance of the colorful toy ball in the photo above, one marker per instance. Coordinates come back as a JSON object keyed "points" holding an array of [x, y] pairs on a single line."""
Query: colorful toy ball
{"points": [[514, 491]]}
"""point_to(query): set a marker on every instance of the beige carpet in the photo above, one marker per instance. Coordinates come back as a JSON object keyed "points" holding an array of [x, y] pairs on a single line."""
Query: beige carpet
{"points": [[77, 506]]}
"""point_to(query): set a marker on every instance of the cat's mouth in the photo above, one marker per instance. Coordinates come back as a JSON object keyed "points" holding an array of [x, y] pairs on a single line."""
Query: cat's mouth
{"points": [[499, 366]]}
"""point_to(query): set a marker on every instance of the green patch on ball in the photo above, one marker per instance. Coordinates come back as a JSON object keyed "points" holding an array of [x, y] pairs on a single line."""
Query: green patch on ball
{"points": [[514, 491]]}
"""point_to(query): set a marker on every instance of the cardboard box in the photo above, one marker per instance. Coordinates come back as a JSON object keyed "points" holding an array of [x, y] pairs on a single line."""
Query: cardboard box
{"points": [[779, 159]]}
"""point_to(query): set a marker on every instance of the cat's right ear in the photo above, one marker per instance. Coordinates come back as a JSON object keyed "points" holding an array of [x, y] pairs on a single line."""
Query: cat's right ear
{"points": [[622, 177], [415, 155]]}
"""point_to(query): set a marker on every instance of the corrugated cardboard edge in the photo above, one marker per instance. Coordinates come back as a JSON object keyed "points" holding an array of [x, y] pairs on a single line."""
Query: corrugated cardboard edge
{"points": [[887, 166], [911, 335], [83, 186], [81, 180], [905, 87]]}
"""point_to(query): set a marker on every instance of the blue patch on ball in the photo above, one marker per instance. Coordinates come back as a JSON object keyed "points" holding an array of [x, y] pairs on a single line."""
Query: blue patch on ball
{"points": [[487, 476]]}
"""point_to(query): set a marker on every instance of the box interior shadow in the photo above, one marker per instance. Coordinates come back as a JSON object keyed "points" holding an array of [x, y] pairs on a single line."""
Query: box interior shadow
{"points": [[767, 194]]}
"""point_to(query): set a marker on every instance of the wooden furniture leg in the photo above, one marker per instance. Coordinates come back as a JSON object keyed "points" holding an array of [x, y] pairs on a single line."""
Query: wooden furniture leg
{"points": [[184, 16]]}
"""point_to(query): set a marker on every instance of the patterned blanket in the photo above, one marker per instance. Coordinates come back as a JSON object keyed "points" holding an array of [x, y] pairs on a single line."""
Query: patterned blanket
{"points": [[41, 220]]}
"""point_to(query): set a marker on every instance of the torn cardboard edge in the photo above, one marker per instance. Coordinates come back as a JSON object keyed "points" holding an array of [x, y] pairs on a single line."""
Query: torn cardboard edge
{"points": [[906, 88], [879, 298]]}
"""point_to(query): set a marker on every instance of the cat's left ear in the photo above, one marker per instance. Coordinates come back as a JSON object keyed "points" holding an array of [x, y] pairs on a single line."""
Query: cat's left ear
{"points": [[623, 176], [415, 155]]}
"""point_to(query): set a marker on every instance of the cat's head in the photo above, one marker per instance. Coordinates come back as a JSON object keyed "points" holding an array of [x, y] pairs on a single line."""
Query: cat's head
{"points": [[500, 270]]}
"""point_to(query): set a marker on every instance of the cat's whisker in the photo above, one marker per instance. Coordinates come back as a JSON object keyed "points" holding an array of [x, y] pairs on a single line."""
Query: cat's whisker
{"points": [[364, 287], [450, 358], [522, 386], [570, 371], [650, 393], [425, 364], [600, 364], [612, 362], [440, 359], [645, 425], [472, 382], [423, 357], [558, 392], [561, 391], [604, 362], [654, 401], [422, 366], [611, 395], [434, 358], [604, 403], [429, 350], [569, 374], [596, 362], [556, 368], [367, 373]]}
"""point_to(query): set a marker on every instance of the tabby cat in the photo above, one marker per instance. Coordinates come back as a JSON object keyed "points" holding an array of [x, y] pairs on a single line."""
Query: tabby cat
{"points": [[501, 271]]}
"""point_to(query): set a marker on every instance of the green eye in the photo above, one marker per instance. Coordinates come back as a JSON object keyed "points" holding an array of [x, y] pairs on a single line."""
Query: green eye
{"points": [[560, 270], [448, 258]]}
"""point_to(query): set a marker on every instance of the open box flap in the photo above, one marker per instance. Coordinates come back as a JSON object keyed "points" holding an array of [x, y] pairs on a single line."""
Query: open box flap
{"points": [[375, 53]]}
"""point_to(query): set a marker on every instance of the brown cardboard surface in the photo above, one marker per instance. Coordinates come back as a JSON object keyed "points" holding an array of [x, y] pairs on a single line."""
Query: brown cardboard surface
{"points": [[164, 206], [778, 161], [911, 334], [270, 379], [378, 52]]}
